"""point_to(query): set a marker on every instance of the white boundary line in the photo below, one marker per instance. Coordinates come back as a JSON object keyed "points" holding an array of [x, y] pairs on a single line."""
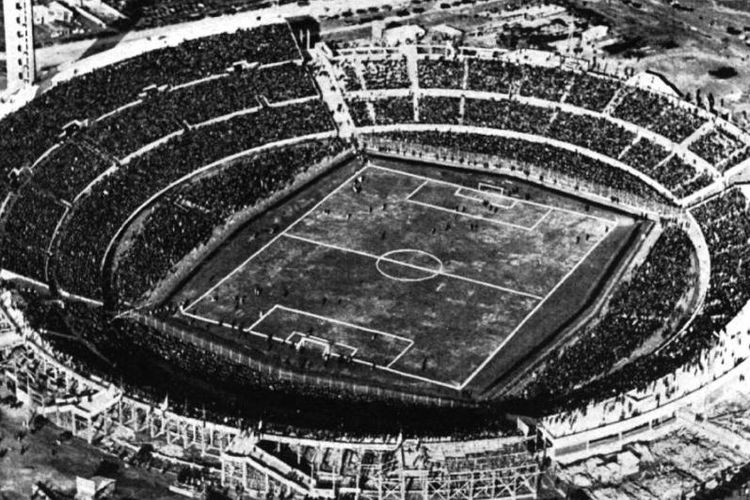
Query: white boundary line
{"points": [[457, 386], [525, 202], [273, 240], [340, 322], [496, 196], [536, 224], [394, 360], [386, 257], [532, 312], [325, 343], [414, 266], [500, 190], [417, 189], [470, 216], [386, 368]]}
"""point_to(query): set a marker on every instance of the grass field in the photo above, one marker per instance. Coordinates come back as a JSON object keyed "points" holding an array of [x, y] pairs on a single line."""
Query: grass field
{"points": [[412, 274]]}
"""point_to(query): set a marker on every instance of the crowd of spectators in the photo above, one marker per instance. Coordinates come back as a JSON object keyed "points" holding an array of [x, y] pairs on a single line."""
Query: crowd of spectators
{"points": [[359, 112], [525, 153], [736, 159], [69, 169], [34, 128], [27, 229], [674, 174], [715, 146], [544, 82], [592, 92], [441, 74], [646, 109], [79, 255], [32, 218], [202, 384], [657, 113], [596, 134], [490, 75], [445, 110], [166, 112], [644, 155], [493, 76], [725, 222], [385, 74], [694, 185], [393, 110], [505, 114], [351, 79], [641, 308], [187, 217], [679, 177]]}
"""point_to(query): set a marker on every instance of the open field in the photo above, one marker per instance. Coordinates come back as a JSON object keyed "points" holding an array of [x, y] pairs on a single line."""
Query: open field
{"points": [[418, 276]]}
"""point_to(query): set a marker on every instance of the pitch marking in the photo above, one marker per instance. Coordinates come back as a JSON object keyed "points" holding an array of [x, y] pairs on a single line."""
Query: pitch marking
{"points": [[530, 314], [414, 266], [388, 368], [523, 202], [275, 238]]}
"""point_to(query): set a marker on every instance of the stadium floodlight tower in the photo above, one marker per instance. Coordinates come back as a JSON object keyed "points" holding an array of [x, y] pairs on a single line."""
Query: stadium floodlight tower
{"points": [[19, 43]]}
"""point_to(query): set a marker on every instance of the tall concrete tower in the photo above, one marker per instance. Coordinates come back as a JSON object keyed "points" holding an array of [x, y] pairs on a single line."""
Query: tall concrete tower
{"points": [[19, 43]]}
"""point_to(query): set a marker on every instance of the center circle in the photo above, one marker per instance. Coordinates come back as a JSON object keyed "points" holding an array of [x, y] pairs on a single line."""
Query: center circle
{"points": [[409, 265]]}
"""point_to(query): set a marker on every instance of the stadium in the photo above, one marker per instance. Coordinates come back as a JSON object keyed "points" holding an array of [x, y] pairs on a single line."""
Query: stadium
{"points": [[413, 272]]}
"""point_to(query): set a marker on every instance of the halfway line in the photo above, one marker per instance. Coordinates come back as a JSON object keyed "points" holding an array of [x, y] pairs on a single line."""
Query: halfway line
{"points": [[413, 266]]}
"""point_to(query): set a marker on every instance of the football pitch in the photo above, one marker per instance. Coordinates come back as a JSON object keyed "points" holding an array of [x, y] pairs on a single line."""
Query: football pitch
{"points": [[406, 273]]}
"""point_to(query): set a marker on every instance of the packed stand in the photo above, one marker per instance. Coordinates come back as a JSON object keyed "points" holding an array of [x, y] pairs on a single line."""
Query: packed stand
{"points": [[28, 227], [166, 112], [543, 156], [680, 177], [596, 134], [69, 169], [385, 74], [592, 92], [674, 174], [392, 110], [736, 159], [715, 146], [725, 222], [199, 383], [644, 155], [445, 110], [351, 78], [544, 82], [359, 112], [34, 128], [79, 255], [506, 114], [493, 76], [441, 73], [641, 308], [658, 114], [187, 217], [700, 181]]}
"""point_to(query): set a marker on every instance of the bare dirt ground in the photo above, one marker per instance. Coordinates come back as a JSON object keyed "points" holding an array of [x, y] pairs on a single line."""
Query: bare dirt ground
{"points": [[685, 44], [56, 464]]}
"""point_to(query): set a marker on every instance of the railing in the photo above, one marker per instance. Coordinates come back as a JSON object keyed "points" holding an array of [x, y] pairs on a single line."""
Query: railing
{"points": [[624, 200], [301, 379]]}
